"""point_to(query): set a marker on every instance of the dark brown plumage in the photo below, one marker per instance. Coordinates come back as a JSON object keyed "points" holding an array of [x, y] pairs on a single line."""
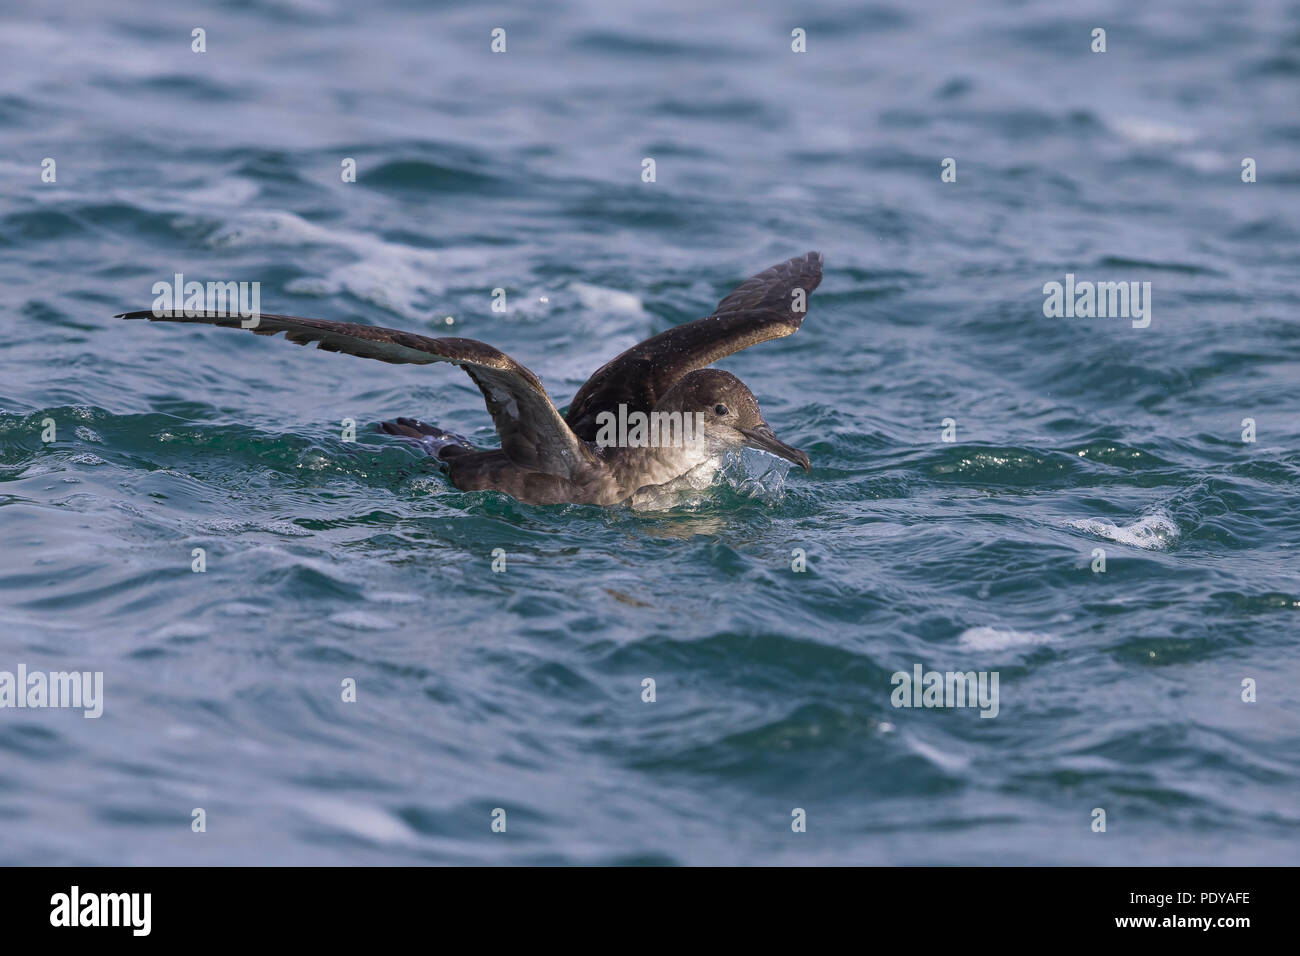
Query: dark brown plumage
{"points": [[759, 309]]}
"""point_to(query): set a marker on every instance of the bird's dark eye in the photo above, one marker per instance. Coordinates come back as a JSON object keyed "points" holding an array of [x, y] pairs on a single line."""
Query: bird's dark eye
{"points": [[719, 410]]}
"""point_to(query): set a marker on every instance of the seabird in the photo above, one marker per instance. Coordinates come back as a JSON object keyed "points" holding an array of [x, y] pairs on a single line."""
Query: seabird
{"points": [[546, 458]]}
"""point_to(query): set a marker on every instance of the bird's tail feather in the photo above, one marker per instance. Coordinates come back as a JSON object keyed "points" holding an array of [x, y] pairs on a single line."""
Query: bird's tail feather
{"points": [[438, 442]]}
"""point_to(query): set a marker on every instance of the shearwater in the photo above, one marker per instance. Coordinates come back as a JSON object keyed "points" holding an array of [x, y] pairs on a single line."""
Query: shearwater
{"points": [[546, 458]]}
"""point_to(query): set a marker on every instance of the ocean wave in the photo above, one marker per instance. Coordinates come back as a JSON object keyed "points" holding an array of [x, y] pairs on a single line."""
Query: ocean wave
{"points": [[1154, 532], [987, 638]]}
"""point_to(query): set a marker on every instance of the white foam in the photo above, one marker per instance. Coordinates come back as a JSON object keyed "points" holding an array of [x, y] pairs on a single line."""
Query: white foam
{"points": [[233, 526], [230, 191], [952, 762], [1155, 531], [393, 597], [393, 276], [362, 621], [1204, 161], [1152, 133], [358, 819], [1000, 638], [606, 300], [187, 631]]}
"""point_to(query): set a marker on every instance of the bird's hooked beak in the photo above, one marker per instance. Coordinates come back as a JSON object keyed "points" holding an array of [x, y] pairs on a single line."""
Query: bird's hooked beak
{"points": [[764, 439]]}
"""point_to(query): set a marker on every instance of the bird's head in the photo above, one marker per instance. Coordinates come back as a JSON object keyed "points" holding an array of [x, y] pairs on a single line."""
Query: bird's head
{"points": [[731, 416]]}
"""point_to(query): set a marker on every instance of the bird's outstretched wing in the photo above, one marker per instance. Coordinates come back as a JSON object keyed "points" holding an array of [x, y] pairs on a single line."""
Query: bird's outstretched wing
{"points": [[533, 435], [770, 305]]}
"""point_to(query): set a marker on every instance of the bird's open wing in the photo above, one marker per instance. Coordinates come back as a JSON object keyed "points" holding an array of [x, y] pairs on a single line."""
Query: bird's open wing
{"points": [[770, 305], [533, 435]]}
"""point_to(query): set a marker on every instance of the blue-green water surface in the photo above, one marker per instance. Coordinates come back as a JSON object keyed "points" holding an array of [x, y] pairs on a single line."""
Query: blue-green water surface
{"points": [[522, 689]]}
